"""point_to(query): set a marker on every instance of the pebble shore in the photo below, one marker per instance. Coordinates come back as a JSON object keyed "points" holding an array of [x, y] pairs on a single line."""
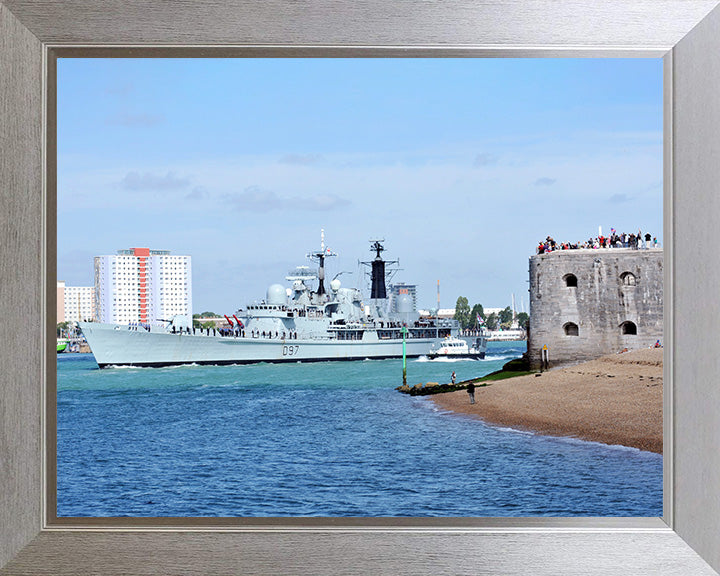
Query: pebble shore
{"points": [[615, 399]]}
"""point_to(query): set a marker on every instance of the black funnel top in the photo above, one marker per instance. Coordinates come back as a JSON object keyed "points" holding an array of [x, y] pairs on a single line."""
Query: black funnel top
{"points": [[378, 273]]}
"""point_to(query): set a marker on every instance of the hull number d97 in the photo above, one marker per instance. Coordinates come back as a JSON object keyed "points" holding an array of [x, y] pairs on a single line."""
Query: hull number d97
{"points": [[290, 350]]}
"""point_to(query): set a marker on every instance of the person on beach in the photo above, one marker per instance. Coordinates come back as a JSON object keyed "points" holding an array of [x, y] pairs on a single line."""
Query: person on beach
{"points": [[452, 377], [471, 392]]}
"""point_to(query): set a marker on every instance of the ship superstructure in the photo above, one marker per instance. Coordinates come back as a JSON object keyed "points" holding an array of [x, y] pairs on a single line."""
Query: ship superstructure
{"points": [[303, 322]]}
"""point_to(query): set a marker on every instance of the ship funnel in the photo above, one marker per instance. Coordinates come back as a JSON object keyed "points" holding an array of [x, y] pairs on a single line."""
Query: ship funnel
{"points": [[379, 271], [377, 278]]}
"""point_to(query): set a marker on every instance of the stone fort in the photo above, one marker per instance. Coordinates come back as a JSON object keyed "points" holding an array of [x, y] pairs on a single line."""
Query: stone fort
{"points": [[588, 303]]}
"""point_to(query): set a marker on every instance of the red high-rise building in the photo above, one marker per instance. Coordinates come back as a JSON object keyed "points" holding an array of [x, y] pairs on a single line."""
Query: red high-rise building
{"points": [[140, 285]]}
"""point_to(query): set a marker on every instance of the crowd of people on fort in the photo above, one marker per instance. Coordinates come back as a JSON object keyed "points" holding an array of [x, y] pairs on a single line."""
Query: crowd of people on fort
{"points": [[634, 241]]}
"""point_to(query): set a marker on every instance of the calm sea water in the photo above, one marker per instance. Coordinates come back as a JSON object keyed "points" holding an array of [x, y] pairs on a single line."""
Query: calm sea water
{"points": [[326, 439]]}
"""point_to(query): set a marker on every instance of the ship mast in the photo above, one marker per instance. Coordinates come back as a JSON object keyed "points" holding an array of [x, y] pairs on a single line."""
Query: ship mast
{"points": [[378, 271], [319, 257]]}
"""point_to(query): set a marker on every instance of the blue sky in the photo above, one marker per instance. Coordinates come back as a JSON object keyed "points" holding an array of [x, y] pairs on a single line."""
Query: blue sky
{"points": [[461, 165]]}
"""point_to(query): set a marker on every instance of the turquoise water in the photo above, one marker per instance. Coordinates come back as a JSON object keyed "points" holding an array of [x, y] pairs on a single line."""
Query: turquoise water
{"points": [[325, 439]]}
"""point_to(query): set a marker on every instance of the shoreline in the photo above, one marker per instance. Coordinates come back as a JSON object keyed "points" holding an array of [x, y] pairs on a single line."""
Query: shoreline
{"points": [[615, 400]]}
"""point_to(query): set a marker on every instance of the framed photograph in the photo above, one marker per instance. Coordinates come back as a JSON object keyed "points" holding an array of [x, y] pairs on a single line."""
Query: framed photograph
{"points": [[683, 34], [279, 364]]}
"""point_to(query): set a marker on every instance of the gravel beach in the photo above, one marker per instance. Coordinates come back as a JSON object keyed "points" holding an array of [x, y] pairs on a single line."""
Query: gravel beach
{"points": [[615, 399]]}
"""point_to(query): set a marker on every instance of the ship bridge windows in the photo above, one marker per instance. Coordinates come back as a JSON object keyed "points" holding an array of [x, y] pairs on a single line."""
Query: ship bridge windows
{"points": [[350, 334], [571, 329], [422, 333], [570, 280], [629, 328]]}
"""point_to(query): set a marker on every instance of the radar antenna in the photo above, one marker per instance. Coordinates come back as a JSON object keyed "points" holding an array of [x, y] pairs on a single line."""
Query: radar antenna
{"points": [[377, 246]]}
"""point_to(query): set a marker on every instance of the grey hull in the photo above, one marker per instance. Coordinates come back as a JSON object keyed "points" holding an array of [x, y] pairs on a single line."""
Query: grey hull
{"points": [[121, 346]]}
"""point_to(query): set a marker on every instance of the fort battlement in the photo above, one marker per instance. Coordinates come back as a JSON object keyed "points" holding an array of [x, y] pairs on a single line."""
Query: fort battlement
{"points": [[588, 303]]}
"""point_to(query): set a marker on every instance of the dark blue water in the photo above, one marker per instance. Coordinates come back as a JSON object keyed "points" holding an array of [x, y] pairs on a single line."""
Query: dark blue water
{"points": [[326, 439]]}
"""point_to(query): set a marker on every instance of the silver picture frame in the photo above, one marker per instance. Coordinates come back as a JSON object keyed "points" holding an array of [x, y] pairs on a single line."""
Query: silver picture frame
{"points": [[685, 33]]}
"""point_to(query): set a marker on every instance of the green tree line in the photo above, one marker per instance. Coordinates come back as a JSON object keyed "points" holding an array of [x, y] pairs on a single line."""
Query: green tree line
{"points": [[204, 325], [468, 317]]}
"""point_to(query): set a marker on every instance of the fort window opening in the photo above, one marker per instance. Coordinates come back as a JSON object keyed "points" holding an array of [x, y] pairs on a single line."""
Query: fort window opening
{"points": [[628, 328], [570, 280], [628, 279], [571, 329]]}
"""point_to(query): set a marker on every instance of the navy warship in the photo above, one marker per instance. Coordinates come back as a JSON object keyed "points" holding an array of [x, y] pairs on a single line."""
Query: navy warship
{"points": [[300, 323]]}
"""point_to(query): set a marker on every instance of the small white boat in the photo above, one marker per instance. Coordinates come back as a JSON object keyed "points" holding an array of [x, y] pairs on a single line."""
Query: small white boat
{"points": [[453, 347]]}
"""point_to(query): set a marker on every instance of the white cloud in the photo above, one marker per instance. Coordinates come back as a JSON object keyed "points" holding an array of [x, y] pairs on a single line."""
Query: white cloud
{"points": [[197, 193], [257, 199], [301, 159], [149, 181], [619, 198], [485, 159], [120, 89], [135, 120]]}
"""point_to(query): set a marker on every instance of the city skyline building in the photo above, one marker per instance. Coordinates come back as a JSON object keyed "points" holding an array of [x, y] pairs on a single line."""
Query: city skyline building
{"points": [[402, 288], [75, 303], [140, 285], [60, 302]]}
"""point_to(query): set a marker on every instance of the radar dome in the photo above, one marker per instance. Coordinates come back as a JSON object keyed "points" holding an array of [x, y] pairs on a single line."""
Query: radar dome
{"points": [[335, 285], [276, 295], [404, 304]]}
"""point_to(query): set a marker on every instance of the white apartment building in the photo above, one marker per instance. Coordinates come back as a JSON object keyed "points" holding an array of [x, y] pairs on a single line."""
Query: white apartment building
{"points": [[142, 285], [75, 303], [402, 288]]}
